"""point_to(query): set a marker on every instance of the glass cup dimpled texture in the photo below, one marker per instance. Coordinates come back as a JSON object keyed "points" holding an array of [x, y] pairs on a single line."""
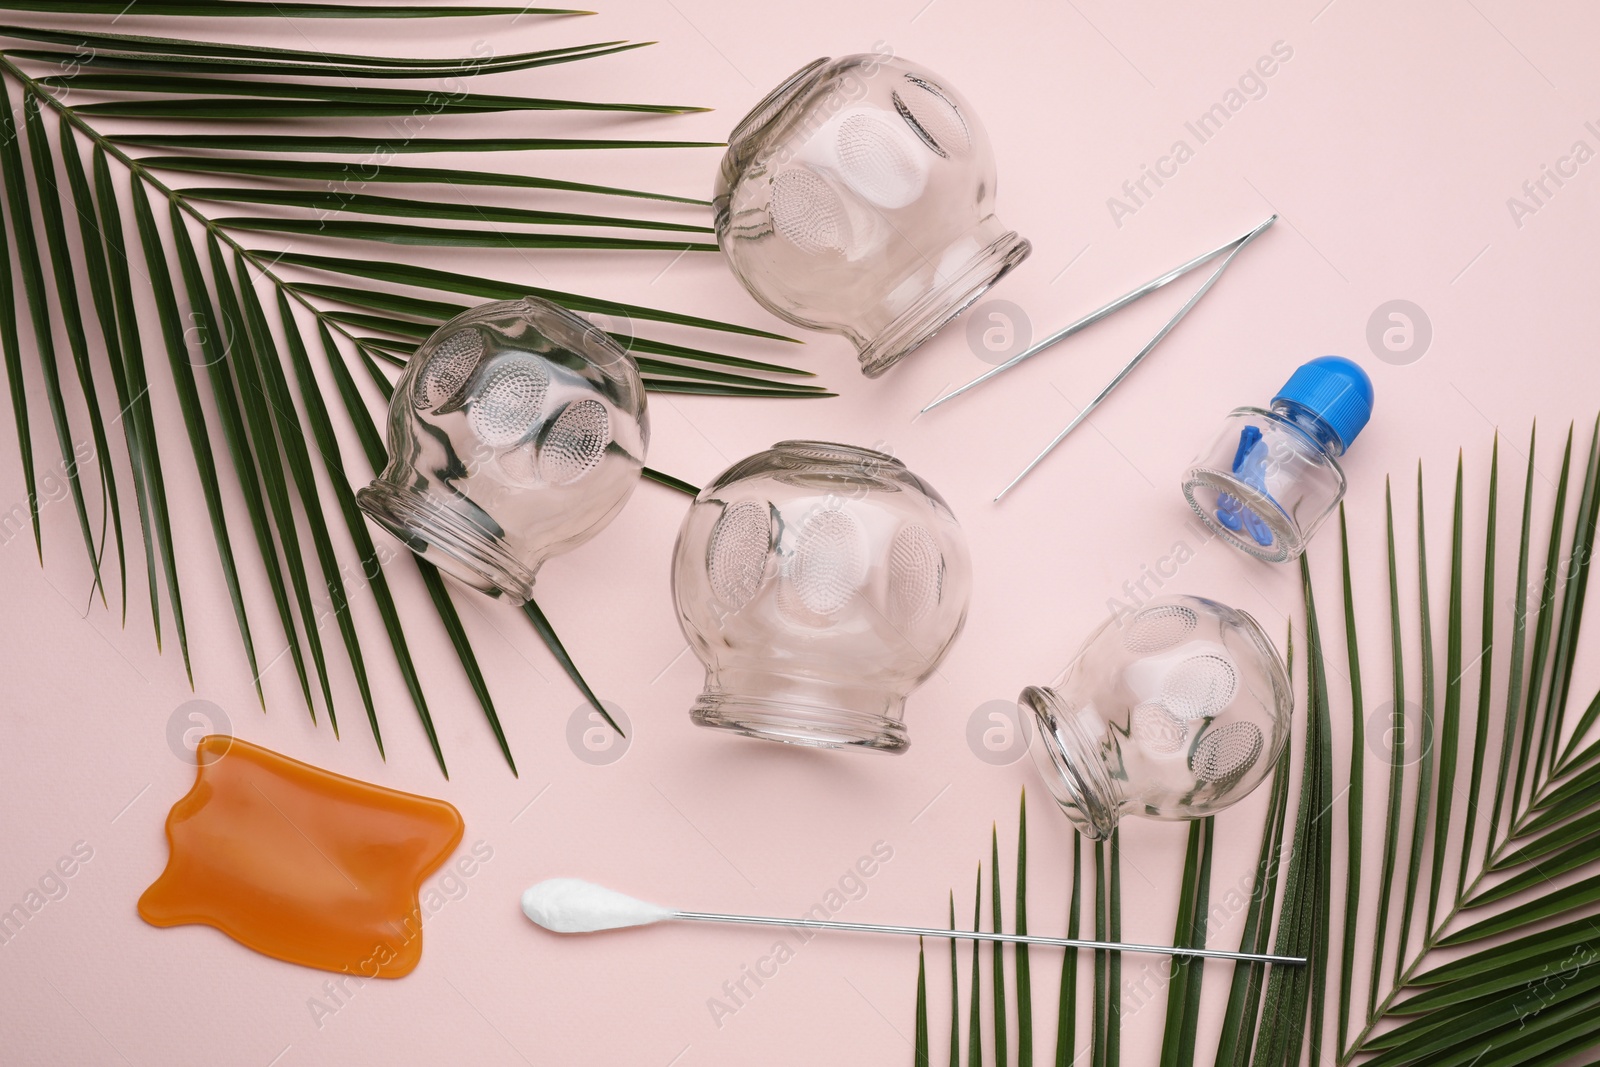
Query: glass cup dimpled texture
{"points": [[819, 584], [517, 432], [858, 198], [1174, 710]]}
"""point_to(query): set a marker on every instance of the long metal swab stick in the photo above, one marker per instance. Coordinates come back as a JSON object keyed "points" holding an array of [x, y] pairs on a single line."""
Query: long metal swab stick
{"points": [[1095, 316], [1139, 356], [573, 906], [978, 935]]}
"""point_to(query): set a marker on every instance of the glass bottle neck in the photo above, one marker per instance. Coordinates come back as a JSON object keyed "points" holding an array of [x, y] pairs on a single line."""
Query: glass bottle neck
{"points": [[1309, 423]]}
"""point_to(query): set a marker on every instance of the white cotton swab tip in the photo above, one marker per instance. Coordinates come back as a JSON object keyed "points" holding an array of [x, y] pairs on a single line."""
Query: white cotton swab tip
{"points": [[573, 906]]}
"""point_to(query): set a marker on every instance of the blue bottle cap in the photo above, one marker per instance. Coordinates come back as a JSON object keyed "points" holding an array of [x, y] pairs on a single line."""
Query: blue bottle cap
{"points": [[1336, 390]]}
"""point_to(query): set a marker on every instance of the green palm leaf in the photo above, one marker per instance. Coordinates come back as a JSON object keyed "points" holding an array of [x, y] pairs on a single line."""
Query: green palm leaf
{"points": [[1486, 670], [351, 175], [144, 450], [1498, 924], [1518, 646], [179, 46], [274, 427], [66, 298], [1419, 822], [305, 480], [1398, 727], [919, 1052], [251, 345], [1541, 646], [1108, 1013], [1067, 1003], [438, 236], [160, 276], [20, 214], [1024, 972], [302, 64], [306, 99], [974, 1018], [363, 204], [1183, 991], [1294, 1001], [347, 144], [276, 9], [94, 258], [485, 289], [14, 373], [1579, 561], [217, 338], [1242, 1014], [1356, 789], [998, 974], [955, 991]]}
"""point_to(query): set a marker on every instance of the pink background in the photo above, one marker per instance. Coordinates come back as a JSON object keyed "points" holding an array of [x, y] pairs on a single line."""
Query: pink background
{"points": [[1389, 143]]}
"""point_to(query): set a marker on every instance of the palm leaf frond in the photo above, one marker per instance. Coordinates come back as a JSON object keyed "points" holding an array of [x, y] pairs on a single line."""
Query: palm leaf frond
{"points": [[1242, 1014], [283, 61], [20, 214], [1067, 1002], [998, 974], [441, 281], [276, 9], [955, 991], [1023, 969], [1486, 923], [86, 42], [144, 451], [348, 144], [354, 176], [364, 204], [974, 1016], [211, 290]]}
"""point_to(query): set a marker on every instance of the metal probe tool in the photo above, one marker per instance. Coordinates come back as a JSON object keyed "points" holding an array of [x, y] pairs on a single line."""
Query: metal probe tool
{"points": [[979, 935], [1138, 356], [1230, 249], [573, 906]]}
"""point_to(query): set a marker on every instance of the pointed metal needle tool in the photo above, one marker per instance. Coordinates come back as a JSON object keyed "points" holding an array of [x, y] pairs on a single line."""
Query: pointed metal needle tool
{"points": [[1097, 314], [1139, 356]]}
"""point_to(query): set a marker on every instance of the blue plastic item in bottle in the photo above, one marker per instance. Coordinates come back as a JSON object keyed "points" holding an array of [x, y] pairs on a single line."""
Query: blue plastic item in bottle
{"points": [[1271, 476]]}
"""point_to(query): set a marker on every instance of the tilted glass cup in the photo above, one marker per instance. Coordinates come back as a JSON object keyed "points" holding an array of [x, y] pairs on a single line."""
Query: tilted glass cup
{"points": [[819, 584], [517, 432], [1174, 710], [858, 198]]}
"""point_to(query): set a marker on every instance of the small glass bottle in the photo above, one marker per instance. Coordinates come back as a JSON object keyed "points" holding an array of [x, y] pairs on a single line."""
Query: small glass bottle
{"points": [[1267, 481], [1172, 711]]}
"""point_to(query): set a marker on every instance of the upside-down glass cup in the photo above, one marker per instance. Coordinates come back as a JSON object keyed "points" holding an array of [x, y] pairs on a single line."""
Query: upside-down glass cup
{"points": [[819, 584], [517, 432], [1172, 711], [858, 198]]}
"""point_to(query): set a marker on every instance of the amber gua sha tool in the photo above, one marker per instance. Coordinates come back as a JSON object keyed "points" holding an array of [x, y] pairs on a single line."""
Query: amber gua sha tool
{"points": [[299, 863]]}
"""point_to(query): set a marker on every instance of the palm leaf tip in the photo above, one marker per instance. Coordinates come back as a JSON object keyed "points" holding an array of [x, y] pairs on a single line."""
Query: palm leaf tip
{"points": [[542, 624]]}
